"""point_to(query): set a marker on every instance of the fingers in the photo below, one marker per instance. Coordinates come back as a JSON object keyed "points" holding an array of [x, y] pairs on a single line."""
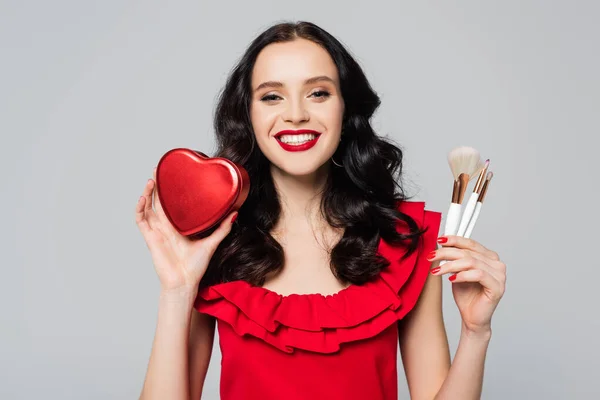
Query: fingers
{"points": [[467, 244], [157, 205], [464, 263], [222, 231], [148, 192], [465, 267], [157, 214], [493, 288], [468, 257], [144, 215], [140, 218]]}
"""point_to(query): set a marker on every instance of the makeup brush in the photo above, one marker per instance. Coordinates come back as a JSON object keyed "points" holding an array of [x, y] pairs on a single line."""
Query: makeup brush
{"points": [[464, 163], [479, 204], [470, 207]]}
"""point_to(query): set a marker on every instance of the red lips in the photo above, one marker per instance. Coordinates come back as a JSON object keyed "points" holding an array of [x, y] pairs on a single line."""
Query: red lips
{"points": [[196, 191], [297, 147], [296, 132]]}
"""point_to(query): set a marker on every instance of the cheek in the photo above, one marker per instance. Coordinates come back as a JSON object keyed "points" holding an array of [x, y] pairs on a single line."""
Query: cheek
{"points": [[332, 115], [262, 119]]}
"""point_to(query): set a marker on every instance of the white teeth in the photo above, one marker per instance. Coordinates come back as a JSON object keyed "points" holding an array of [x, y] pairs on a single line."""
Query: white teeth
{"points": [[297, 139]]}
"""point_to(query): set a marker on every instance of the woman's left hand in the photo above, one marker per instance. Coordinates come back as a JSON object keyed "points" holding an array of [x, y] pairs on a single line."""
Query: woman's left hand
{"points": [[478, 278]]}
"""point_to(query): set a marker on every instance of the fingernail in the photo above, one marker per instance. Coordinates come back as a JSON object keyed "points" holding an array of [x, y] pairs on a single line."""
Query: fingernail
{"points": [[435, 270], [430, 256], [442, 239], [452, 278], [234, 218]]}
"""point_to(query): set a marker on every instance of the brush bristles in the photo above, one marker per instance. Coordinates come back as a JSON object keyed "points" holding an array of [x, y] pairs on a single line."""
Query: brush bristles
{"points": [[465, 160]]}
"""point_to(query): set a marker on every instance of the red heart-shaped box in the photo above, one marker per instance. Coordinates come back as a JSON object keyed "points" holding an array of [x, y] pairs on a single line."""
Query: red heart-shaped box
{"points": [[196, 191]]}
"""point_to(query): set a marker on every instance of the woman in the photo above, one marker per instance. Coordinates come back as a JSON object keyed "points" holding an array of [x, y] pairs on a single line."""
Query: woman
{"points": [[317, 281]]}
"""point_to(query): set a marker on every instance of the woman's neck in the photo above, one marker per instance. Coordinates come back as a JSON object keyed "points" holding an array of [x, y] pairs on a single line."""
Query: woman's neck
{"points": [[300, 198]]}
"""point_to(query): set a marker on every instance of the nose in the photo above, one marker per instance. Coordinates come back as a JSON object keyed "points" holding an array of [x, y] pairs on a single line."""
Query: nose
{"points": [[295, 113]]}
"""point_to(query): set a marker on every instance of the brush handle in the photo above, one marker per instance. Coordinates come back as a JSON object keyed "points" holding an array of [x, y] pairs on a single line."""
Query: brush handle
{"points": [[466, 217], [452, 220], [473, 220]]}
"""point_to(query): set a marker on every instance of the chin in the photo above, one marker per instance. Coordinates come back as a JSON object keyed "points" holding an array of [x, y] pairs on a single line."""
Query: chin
{"points": [[300, 169]]}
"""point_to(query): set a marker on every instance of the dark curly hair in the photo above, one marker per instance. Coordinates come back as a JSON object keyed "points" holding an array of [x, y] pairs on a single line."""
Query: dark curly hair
{"points": [[362, 197]]}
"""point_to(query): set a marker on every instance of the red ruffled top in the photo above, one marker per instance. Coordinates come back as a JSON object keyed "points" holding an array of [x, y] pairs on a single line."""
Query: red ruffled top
{"points": [[313, 346]]}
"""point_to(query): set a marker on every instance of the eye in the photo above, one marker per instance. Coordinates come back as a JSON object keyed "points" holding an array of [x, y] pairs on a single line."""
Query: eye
{"points": [[321, 94], [270, 97]]}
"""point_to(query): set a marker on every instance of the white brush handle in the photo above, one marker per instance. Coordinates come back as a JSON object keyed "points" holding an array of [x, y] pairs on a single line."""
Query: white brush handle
{"points": [[452, 220], [473, 220], [466, 217]]}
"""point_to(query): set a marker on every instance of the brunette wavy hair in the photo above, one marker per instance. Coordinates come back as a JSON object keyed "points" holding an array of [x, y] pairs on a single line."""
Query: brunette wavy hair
{"points": [[362, 196]]}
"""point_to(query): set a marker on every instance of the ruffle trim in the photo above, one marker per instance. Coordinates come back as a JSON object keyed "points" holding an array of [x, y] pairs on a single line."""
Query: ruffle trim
{"points": [[320, 323]]}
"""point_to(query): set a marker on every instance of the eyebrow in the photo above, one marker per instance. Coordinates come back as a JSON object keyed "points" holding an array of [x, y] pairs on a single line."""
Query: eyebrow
{"points": [[275, 84]]}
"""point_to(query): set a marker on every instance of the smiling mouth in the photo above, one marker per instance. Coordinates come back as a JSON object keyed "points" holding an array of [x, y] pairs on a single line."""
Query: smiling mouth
{"points": [[296, 140]]}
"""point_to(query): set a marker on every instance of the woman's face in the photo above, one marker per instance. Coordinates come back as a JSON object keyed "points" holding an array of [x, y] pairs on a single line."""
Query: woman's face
{"points": [[295, 88]]}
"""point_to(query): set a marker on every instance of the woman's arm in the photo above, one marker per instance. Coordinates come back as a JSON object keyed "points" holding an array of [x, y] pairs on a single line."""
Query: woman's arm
{"points": [[426, 356], [168, 375], [465, 378], [424, 344], [202, 334], [180, 264]]}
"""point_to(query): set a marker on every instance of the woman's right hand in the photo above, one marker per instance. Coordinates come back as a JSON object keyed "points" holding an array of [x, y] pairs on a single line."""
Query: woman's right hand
{"points": [[180, 262]]}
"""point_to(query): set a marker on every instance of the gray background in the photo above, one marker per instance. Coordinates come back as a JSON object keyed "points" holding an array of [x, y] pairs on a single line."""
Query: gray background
{"points": [[93, 93]]}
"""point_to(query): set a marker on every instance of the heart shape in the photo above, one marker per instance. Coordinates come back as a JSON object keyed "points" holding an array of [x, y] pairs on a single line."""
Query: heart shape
{"points": [[196, 191]]}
